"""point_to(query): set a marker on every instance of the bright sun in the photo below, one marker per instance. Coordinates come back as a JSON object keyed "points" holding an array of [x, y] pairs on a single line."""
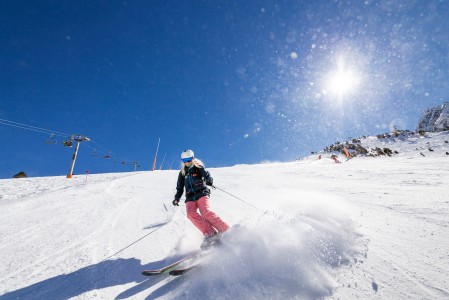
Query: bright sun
{"points": [[343, 81]]}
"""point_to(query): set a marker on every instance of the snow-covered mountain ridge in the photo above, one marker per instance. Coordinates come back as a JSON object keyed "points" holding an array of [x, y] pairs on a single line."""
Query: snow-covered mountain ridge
{"points": [[396, 143], [430, 138]]}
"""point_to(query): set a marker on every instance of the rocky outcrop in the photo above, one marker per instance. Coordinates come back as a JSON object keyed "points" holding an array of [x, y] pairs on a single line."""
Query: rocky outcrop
{"points": [[434, 119]]}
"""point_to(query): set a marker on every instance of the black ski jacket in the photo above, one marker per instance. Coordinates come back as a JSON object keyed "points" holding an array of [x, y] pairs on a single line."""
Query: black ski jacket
{"points": [[194, 181]]}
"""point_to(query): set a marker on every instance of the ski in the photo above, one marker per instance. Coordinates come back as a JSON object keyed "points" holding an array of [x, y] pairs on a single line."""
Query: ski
{"points": [[196, 256], [179, 272], [170, 266]]}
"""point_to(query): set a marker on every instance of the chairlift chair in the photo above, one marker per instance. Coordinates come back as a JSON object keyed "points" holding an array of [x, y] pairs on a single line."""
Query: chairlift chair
{"points": [[51, 140]]}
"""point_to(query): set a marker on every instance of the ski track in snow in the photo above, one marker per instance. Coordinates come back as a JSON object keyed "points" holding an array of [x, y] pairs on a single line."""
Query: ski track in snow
{"points": [[371, 228]]}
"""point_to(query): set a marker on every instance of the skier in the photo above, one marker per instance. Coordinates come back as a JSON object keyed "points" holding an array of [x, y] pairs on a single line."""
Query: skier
{"points": [[334, 157], [195, 179]]}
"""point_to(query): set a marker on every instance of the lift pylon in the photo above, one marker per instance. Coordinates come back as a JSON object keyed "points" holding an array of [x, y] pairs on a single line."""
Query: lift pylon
{"points": [[78, 139]]}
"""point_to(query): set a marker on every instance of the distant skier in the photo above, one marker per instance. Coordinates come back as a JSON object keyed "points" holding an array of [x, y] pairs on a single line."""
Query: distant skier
{"points": [[334, 157], [194, 178]]}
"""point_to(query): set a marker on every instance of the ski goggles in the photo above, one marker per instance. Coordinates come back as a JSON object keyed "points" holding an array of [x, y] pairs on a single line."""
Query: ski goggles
{"points": [[186, 160]]}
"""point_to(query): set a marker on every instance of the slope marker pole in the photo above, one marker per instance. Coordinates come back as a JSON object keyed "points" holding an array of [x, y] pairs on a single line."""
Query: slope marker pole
{"points": [[155, 156]]}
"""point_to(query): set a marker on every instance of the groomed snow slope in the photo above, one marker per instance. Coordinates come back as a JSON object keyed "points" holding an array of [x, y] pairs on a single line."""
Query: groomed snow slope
{"points": [[369, 228]]}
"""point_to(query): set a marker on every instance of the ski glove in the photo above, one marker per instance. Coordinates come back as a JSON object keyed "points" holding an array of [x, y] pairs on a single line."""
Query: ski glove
{"points": [[175, 202], [209, 182]]}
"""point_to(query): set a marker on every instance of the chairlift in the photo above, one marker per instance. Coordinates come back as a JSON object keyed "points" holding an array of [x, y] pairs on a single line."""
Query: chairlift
{"points": [[51, 140], [107, 156], [67, 143]]}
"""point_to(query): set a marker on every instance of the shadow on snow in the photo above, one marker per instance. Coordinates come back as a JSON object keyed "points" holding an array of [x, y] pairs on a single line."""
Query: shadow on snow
{"points": [[102, 275]]}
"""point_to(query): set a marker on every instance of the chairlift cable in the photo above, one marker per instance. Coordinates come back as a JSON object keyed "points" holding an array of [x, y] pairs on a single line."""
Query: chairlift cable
{"points": [[111, 155], [97, 151], [32, 128], [55, 133], [21, 127], [109, 152]]}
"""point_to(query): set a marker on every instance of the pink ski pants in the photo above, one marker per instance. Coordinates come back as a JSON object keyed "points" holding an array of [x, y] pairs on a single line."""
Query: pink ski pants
{"points": [[208, 221]]}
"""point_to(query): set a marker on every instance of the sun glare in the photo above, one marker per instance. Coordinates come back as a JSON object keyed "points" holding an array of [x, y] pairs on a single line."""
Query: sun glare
{"points": [[342, 82]]}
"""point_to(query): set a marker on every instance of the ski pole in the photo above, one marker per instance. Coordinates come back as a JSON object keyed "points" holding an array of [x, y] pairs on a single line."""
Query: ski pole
{"points": [[131, 244], [215, 187], [121, 250]]}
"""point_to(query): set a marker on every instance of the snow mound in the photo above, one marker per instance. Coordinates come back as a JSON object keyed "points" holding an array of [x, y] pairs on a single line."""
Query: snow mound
{"points": [[292, 252]]}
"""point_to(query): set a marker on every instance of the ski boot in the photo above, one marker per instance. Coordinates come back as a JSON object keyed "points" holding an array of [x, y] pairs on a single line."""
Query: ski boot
{"points": [[210, 241]]}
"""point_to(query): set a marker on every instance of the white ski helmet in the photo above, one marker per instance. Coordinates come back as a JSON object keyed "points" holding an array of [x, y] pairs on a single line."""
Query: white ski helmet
{"points": [[187, 155]]}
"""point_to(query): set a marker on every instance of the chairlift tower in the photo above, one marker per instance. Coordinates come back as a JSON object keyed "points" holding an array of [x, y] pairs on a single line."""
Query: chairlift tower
{"points": [[78, 139], [135, 164]]}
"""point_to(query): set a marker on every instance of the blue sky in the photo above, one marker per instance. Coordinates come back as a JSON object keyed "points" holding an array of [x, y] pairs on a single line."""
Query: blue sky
{"points": [[236, 81]]}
